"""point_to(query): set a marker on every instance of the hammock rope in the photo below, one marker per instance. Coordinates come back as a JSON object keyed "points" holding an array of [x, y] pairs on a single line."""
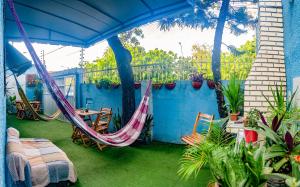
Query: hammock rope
{"points": [[28, 106], [124, 137]]}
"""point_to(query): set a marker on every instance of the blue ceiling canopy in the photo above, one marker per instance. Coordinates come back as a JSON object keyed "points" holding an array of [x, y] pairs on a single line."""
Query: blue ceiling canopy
{"points": [[85, 22]]}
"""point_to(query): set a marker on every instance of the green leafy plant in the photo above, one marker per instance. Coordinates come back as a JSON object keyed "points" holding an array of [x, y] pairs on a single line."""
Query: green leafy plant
{"points": [[104, 83], [195, 157], [252, 118], [280, 107], [117, 121], [145, 135], [282, 143], [234, 94]]}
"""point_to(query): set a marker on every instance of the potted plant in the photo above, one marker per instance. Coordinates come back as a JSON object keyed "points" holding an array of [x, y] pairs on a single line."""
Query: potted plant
{"points": [[234, 95], [197, 80], [137, 84], [145, 135], [250, 123], [156, 84], [211, 84], [103, 83], [170, 83]]}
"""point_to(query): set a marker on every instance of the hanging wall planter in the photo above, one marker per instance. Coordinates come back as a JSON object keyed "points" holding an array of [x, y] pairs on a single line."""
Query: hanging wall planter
{"points": [[211, 84], [197, 85], [115, 85], [197, 80], [170, 86], [137, 85], [157, 86]]}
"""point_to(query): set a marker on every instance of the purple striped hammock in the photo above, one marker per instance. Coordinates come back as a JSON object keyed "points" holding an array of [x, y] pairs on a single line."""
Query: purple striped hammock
{"points": [[124, 137]]}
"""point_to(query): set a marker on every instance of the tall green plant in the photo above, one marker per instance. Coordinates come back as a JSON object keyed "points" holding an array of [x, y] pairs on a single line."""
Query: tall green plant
{"points": [[279, 106], [234, 94]]}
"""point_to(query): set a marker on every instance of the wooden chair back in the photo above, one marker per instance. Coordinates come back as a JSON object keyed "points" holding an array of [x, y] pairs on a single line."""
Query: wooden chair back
{"points": [[20, 105], [104, 116], [203, 119]]}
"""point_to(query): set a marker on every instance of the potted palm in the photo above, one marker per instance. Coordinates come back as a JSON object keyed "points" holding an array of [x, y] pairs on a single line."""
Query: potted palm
{"points": [[234, 95], [250, 123], [197, 80]]}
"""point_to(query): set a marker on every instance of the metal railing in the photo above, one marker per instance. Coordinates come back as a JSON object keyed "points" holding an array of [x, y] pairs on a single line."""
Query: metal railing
{"points": [[173, 71]]}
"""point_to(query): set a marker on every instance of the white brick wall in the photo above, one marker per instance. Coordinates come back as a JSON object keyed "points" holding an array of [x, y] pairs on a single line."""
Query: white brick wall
{"points": [[268, 68]]}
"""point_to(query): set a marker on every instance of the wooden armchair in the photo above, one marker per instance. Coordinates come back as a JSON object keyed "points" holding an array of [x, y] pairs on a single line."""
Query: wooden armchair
{"points": [[195, 137]]}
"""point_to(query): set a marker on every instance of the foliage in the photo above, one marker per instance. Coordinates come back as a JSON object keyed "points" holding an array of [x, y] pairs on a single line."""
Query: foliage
{"points": [[230, 167], [195, 157], [117, 121], [252, 118], [282, 142], [146, 132], [280, 107], [197, 77], [132, 36], [159, 65], [105, 82], [11, 102], [234, 94], [205, 16]]}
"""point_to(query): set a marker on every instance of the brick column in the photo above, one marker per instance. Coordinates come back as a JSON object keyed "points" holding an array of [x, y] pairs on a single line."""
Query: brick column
{"points": [[268, 68]]}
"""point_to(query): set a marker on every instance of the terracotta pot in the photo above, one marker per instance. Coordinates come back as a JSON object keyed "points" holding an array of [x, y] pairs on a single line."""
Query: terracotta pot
{"points": [[197, 85], [211, 84], [170, 86], [137, 85], [115, 86], [250, 136], [157, 86], [234, 117]]}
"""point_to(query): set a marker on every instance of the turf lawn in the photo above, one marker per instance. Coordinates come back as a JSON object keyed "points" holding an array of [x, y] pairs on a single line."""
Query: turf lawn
{"points": [[152, 165]]}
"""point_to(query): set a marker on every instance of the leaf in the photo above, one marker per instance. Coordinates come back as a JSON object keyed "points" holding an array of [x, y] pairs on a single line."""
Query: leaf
{"points": [[289, 141], [274, 123], [263, 119]]}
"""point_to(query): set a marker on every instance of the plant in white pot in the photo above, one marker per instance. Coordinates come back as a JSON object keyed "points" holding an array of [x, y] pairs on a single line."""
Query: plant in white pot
{"points": [[235, 97]]}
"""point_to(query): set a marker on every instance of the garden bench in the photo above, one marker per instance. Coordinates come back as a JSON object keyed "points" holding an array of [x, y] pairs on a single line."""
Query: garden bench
{"points": [[195, 137]]}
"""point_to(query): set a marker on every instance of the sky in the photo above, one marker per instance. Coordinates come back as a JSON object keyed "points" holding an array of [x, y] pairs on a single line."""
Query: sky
{"points": [[60, 58]]}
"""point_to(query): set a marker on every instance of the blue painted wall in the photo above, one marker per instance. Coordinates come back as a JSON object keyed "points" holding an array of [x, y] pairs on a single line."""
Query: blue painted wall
{"points": [[174, 110], [291, 17]]}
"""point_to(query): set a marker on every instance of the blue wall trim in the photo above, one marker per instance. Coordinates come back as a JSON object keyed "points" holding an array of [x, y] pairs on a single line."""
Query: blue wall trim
{"points": [[2, 103]]}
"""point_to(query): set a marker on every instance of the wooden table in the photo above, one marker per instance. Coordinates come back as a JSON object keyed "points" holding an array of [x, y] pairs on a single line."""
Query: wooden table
{"points": [[87, 117]]}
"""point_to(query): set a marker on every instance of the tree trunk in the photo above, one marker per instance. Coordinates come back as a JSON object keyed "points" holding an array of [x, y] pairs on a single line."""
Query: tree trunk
{"points": [[123, 59], [216, 57]]}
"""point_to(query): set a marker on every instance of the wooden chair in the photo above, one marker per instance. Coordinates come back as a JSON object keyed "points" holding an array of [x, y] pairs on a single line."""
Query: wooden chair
{"points": [[21, 112], [101, 123], [195, 137]]}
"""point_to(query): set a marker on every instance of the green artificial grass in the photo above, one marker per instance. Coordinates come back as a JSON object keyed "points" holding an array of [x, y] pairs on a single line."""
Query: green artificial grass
{"points": [[134, 166]]}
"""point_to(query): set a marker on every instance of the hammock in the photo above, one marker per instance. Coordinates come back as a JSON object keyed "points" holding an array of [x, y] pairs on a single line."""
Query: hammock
{"points": [[124, 137], [35, 114]]}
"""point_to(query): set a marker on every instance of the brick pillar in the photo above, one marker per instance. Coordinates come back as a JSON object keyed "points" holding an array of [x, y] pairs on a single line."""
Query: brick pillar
{"points": [[268, 69]]}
